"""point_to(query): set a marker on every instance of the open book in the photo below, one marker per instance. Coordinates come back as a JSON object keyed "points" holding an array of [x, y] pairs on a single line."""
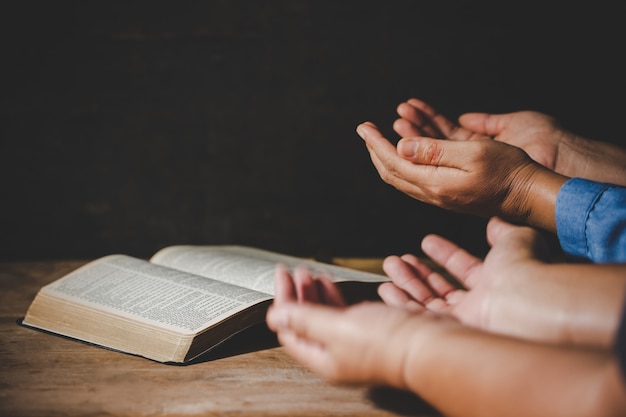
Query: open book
{"points": [[181, 303]]}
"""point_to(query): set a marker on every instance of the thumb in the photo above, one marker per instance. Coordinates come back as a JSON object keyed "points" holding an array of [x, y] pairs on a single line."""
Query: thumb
{"points": [[524, 241], [314, 323], [435, 152], [497, 228]]}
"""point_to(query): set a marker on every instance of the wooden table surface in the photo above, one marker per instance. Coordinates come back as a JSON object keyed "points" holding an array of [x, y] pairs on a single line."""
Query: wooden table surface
{"points": [[47, 375]]}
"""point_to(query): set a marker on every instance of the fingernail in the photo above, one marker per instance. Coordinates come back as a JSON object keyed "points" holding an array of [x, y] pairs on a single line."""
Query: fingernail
{"points": [[407, 147]]}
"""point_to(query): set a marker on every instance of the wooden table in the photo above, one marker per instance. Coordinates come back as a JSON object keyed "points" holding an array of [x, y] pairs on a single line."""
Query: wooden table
{"points": [[47, 375]]}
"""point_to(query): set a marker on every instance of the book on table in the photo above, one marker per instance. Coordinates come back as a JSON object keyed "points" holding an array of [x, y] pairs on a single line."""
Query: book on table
{"points": [[179, 304]]}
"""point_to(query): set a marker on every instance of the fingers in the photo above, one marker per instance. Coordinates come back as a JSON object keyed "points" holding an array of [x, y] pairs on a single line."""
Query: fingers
{"points": [[414, 286], [329, 293], [484, 123], [437, 282], [301, 332], [479, 177], [423, 151], [437, 173], [313, 323], [420, 119], [284, 289], [415, 279], [345, 344], [303, 286], [375, 140], [394, 296], [393, 169], [456, 260], [407, 129]]}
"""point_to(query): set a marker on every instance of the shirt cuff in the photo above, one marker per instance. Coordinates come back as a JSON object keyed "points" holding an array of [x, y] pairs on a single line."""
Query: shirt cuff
{"points": [[575, 200]]}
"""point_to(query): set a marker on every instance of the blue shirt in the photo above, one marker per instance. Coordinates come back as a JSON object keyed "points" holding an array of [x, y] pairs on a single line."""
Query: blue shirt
{"points": [[591, 220]]}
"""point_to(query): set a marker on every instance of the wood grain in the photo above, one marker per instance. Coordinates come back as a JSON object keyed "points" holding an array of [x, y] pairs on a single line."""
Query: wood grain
{"points": [[47, 375]]}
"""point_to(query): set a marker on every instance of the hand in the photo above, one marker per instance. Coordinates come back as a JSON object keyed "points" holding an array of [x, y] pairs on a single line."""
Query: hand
{"points": [[514, 291], [481, 177], [538, 134], [486, 285], [352, 344], [548, 143], [304, 332], [329, 337], [305, 287], [459, 370], [432, 356]]}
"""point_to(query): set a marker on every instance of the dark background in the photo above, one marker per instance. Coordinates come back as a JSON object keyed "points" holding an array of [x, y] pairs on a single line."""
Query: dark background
{"points": [[129, 126]]}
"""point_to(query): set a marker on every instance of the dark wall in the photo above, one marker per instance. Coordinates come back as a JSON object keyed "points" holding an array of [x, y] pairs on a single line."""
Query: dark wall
{"points": [[128, 126]]}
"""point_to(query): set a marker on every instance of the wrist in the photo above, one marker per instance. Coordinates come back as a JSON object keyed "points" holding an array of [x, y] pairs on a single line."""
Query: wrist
{"points": [[419, 363], [570, 151], [591, 159], [532, 196]]}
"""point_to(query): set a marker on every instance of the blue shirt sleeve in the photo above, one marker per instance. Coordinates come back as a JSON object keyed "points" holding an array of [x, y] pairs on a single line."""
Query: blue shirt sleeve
{"points": [[591, 220]]}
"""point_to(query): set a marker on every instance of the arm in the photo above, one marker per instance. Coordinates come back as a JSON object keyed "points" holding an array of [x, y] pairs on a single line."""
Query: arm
{"points": [[494, 375], [481, 177], [459, 370], [552, 146]]}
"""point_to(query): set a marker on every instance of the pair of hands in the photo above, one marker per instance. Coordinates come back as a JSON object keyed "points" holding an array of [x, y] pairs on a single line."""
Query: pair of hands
{"points": [[427, 337], [513, 292], [368, 341], [309, 313], [510, 165]]}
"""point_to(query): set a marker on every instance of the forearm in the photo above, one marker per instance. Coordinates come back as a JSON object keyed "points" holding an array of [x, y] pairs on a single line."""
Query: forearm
{"points": [[587, 301], [590, 159], [566, 304], [465, 372]]}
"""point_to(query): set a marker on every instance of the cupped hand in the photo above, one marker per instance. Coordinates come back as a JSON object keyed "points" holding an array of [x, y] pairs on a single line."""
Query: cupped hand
{"points": [[340, 343], [499, 294], [480, 177], [364, 343]]}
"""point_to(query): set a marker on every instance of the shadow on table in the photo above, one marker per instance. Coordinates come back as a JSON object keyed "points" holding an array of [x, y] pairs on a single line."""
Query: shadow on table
{"points": [[260, 337], [403, 403], [254, 338]]}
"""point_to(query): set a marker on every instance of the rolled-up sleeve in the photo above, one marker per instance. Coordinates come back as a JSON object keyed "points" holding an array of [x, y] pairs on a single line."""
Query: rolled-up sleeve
{"points": [[591, 220]]}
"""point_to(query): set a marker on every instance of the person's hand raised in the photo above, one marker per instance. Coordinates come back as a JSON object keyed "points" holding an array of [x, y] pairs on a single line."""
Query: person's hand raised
{"points": [[481, 177]]}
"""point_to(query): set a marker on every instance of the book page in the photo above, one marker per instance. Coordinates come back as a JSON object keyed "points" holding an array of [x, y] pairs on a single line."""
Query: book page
{"points": [[137, 289], [247, 267]]}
